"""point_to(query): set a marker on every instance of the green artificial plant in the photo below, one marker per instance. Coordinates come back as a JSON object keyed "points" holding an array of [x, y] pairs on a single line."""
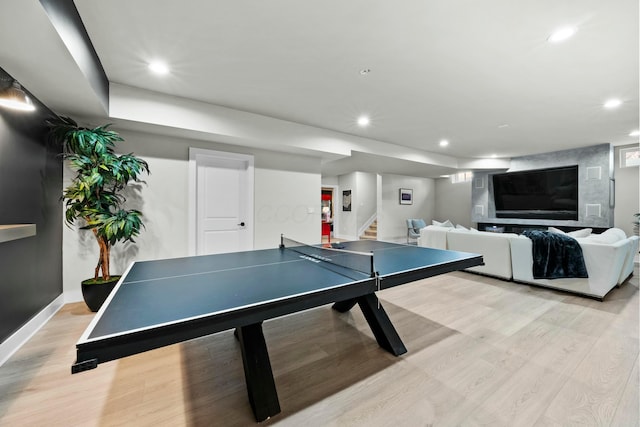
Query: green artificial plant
{"points": [[95, 194]]}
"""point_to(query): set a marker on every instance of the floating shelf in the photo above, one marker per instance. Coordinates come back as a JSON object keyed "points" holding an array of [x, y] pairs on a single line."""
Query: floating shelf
{"points": [[16, 231]]}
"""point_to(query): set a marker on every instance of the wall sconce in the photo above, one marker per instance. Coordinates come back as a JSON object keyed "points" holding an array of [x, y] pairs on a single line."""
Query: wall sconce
{"points": [[15, 98]]}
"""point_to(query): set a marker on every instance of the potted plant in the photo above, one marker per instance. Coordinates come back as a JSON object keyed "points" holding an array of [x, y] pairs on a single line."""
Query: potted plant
{"points": [[94, 198]]}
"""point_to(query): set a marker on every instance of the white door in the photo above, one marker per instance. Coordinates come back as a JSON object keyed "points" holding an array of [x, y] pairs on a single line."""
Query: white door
{"points": [[223, 202]]}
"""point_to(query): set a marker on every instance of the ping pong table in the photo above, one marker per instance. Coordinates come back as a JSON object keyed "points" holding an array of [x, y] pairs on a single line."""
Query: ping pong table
{"points": [[163, 302]]}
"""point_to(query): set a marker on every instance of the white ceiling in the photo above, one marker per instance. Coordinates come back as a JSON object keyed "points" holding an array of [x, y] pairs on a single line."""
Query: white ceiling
{"points": [[453, 69]]}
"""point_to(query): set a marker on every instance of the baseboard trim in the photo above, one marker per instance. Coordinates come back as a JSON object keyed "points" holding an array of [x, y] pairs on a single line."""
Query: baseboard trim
{"points": [[22, 335]]}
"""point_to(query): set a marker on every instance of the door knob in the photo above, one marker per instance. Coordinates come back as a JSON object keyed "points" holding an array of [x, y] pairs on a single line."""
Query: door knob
{"points": [[241, 224]]}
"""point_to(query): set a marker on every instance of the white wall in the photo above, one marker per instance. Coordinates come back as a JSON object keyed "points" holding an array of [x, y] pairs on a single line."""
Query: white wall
{"points": [[392, 216], [363, 188], [287, 199], [330, 181], [627, 193], [367, 185], [453, 202], [286, 203], [347, 223]]}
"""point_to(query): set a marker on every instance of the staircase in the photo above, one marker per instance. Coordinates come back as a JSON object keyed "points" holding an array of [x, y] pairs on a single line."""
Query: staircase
{"points": [[371, 233]]}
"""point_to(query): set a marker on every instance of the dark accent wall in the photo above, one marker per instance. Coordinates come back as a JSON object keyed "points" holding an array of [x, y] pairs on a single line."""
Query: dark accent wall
{"points": [[30, 189]]}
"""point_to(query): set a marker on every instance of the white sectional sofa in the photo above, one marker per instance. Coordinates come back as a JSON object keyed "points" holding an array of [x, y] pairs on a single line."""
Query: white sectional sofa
{"points": [[604, 262], [627, 268], [494, 247], [609, 257]]}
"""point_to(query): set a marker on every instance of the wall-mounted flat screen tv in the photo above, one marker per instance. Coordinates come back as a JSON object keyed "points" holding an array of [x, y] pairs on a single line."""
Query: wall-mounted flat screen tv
{"points": [[537, 194]]}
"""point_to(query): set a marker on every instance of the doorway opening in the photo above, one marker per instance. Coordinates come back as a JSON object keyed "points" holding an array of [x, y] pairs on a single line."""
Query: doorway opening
{"points": [[328, 214]]}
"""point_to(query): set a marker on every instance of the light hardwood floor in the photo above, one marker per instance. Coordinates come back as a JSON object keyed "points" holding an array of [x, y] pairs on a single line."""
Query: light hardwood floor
{"points": [[481, 352]]}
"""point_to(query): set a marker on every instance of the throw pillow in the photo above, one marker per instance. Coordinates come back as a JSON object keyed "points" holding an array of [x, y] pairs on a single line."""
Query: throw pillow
{"points": [[580, 233], [611, 235], [447, 223], [418, 224], [555, 230], [475, 230], [461, 227]]}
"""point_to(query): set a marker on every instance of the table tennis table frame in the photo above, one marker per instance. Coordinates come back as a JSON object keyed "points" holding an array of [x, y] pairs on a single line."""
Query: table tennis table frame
{"points": [[247, 323]]}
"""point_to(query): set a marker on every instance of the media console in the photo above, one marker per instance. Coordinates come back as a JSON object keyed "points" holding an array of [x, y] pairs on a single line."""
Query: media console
{"points": [[519, 228]]}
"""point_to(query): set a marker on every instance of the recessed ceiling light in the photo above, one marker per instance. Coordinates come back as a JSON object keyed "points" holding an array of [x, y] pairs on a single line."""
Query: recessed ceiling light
{"points": [[561, 34], [635, 133], [445, 176], [612, 103], [159, 67], [503, 126], [444, 143], [363, 121]]}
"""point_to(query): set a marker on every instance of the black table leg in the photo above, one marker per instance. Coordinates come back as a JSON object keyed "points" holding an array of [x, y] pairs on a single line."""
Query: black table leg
{"points": [[381, 325], [378, 321], [261, 386], [344, 306]]}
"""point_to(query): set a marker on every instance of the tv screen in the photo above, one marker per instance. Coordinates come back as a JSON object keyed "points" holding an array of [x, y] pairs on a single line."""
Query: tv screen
{"points": [[537, 194]]}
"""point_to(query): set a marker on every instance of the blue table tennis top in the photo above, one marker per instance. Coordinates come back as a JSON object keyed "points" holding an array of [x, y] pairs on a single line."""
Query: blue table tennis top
{"points": [[160, 292]]}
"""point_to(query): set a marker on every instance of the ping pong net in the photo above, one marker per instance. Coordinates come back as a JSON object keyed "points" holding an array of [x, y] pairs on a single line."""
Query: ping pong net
{"points": [[361, 262]]}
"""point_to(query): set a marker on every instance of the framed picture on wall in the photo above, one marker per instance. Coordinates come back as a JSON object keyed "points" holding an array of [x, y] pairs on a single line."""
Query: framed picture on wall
{"points": [[346, 200], [406, 196]]}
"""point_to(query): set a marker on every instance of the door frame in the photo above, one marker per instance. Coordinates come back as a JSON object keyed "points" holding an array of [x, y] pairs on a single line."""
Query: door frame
{"points": [[334, 202], [194, 153]]}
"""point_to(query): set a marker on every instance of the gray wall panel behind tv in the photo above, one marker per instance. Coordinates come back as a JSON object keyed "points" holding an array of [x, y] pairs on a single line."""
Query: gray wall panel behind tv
{"points": [[595, 170], [30, 189]]}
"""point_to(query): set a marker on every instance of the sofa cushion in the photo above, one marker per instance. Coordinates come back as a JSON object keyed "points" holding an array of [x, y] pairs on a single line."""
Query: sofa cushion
{"points": [[494, 248], [433, 236]]}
